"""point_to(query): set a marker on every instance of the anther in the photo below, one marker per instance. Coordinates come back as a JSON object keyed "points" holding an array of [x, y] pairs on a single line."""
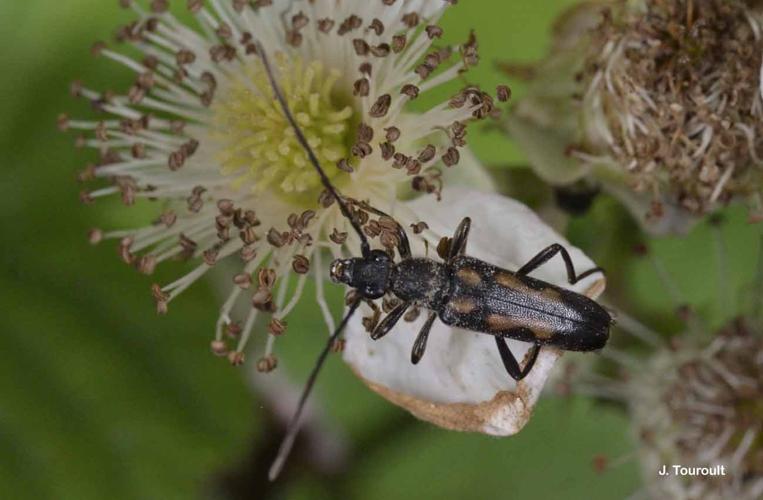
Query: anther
{"points": [[267, 364], [381, 106], [325, 25], [381, 50], [300, 264], [392, 134], [233, 330], [419, 227], [434, 32], [275, 238], [338, 237], [376, 26], [95, 236], [236, 358], [243, 280], [427, 154], [219, 348], [361, 47], [411, 19], [248, 253], [362, 149], [338, 346], [277, 326], [451, 157], [387, 150], [398, 43], [63, 122], [194, 6], [146, 264], [160, 298], [361, 87], [412, 91], [262, 299], [503, 93], [351, 23]]}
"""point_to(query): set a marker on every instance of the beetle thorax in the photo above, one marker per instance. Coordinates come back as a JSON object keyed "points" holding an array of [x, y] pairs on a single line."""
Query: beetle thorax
{"points": [[420, 280]]}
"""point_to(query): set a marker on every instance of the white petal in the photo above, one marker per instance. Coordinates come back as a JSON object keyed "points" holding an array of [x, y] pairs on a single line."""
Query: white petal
{"points": [[545, 148], [469, 173], [461, 383]]}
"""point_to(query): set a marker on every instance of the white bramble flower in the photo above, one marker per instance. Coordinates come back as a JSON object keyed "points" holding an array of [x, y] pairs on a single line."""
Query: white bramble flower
{"points": [[660, 103], [201, 133]]}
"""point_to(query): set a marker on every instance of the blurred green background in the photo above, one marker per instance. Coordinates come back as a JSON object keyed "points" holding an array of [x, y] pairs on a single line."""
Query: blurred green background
{"points": [[100, 398]]}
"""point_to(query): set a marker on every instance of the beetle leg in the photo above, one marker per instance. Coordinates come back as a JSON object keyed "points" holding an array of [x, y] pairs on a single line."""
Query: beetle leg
{"points": [[458, 243], [510, 362], [389, 320], [546, 254], [403, 247], [421, 340]]}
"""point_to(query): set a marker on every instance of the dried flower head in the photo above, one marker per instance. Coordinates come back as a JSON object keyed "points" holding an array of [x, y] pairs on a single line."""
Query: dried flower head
{"points": [[695, 399], [666, 101], [703, 407], [200, 133], [673, 92], [694, 402]]}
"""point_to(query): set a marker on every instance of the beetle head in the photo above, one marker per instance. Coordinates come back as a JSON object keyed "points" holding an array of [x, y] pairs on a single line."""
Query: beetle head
{"points": [[368, 275]]}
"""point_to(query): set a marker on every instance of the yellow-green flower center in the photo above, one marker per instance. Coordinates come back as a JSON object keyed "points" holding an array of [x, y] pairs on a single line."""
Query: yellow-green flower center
{"points": [[259, 150]]}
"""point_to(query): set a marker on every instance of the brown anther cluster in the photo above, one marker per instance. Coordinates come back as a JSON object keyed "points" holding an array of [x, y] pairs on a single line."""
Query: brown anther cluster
{"points": [[677, 87], [385, 228], [480, 102], [231, 219], [297, 232]]}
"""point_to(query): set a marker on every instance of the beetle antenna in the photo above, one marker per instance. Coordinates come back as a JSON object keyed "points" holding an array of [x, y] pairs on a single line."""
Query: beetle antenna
{"points": [[365, 248], [293, 428]]}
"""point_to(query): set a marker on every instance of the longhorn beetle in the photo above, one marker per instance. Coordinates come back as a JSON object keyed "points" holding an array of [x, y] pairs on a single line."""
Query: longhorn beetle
{"points": [[463, 292]]}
